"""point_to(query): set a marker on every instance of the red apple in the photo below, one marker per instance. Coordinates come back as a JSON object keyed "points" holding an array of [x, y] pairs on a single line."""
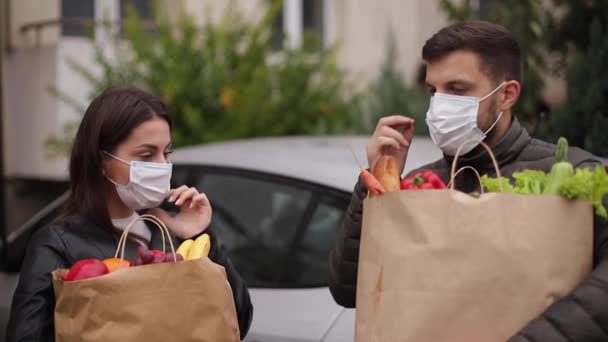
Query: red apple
{"points": [[145, 254], [156, 252], [169, 257], [87, 268]]}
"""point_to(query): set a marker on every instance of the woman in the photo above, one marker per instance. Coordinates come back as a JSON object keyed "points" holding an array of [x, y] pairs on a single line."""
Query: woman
{"points": [[118, 167]]}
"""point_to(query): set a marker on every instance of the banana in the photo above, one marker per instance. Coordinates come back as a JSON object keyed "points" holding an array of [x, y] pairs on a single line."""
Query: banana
{"points": [[184, 248], [200, 248]]}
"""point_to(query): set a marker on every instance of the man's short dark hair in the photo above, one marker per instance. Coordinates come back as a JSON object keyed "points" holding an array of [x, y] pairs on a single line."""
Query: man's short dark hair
{"points": [[497, 48]]}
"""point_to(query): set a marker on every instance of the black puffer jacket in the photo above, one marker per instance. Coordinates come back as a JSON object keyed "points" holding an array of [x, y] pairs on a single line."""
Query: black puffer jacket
{"points": [[580, 317], [72, 239]]}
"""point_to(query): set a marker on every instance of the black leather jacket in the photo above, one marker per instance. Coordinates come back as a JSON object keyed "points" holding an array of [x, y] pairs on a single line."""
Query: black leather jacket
{"points": [[74, 238]]}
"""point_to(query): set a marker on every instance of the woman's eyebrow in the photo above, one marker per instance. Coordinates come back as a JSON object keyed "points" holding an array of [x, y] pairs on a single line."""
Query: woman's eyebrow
{"points": [[150, 146]]}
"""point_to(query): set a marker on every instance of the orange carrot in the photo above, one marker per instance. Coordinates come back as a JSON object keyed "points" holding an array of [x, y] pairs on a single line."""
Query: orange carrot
{"points": [[372, 184]]}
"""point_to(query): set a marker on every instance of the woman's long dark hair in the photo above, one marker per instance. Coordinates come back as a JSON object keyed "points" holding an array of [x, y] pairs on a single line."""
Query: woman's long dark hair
{"points": [[107, 122]]}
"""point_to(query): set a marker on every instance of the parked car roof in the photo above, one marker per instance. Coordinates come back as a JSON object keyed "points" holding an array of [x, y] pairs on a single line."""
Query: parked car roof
{"points": [[334, 163]]}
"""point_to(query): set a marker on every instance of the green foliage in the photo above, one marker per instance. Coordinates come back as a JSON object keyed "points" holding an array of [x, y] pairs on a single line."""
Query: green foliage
{"points": [[572, 28], [458, 12], [582, 38], [584, 118], [390, 94], [224, 80]]}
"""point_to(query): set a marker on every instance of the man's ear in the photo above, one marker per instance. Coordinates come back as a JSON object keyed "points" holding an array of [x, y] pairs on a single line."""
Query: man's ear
{"points": [[510, 95]]}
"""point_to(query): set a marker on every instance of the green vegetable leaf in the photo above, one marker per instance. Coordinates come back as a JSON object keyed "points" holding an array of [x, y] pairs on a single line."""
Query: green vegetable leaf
{"points": [[579, 186], [584, 184], [493, 184], [589, 186], [531, 182]]}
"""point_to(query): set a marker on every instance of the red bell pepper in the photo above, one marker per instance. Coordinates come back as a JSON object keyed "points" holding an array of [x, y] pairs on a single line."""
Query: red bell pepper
{"points": [[422, 180]]}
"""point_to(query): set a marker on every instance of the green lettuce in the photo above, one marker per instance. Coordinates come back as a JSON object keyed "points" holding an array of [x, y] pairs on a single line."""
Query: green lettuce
{"points": [[531, 182], [585, 184], [493, 184], [589, 186]]}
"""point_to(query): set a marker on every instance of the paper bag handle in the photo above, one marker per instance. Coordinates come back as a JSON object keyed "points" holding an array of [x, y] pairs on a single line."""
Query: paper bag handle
{"points": [[164, 231], [454, 173], [464, 168]]}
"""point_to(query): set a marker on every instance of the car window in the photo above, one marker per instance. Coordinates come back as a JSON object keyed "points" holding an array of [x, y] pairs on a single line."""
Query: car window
{"points": [[310, 254], [179, 176], [277, 233]]}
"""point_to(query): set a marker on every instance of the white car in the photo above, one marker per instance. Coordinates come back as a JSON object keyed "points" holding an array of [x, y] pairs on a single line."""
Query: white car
{"points": [[278, 204]]}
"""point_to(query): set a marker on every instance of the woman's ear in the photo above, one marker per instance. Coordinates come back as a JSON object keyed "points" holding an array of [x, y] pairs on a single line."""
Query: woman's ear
{"points": [[512, 90], [105, 163]]}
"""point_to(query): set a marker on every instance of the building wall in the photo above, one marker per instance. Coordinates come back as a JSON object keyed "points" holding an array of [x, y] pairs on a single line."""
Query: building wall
{"points": [[30, 112], [361, 28], [28, 11]]}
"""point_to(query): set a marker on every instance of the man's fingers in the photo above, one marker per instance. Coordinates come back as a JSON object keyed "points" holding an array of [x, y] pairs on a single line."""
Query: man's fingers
{"points": [[389, 132], [408, 132], [385, 142], [394, 121]]}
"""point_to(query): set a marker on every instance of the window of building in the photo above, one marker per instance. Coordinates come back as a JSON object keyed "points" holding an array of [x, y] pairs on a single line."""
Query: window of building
{"points": [[296, 18], [75, 13]]}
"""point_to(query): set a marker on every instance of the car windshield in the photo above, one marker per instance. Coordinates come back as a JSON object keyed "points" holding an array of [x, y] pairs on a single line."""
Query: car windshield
{"points": [[278, 233]]}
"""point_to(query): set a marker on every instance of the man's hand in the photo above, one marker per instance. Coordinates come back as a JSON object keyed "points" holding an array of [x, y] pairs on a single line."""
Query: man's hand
{"points": [[392, 137]]}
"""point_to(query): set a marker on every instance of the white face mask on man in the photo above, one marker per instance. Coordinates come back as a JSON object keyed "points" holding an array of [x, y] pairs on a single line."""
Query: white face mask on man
{"points": [[149, 184], [452, 121]]}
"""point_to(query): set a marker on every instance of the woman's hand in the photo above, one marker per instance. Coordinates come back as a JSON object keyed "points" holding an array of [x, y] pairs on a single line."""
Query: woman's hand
{"points": [[194, 215]]}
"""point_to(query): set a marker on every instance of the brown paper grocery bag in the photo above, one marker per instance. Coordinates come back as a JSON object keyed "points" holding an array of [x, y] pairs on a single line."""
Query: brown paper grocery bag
{"points": [[183, 301], [440, 265]]}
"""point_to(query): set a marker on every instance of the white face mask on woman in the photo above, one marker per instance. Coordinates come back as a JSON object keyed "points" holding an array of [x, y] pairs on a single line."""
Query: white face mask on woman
{"points": [[452, 121], [149, 184]]}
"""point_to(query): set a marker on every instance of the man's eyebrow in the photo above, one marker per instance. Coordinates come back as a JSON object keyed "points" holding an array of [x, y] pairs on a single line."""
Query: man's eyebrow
{"points": [[459, 83]]}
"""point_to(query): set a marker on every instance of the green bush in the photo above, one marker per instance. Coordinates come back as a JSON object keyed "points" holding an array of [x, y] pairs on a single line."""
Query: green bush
{"points": [[225, 81], [581, 38], [584, 118], [390, 94]]}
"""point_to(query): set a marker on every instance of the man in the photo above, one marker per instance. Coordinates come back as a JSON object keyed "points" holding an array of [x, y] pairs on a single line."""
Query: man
{"points": [[474, 74]]}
